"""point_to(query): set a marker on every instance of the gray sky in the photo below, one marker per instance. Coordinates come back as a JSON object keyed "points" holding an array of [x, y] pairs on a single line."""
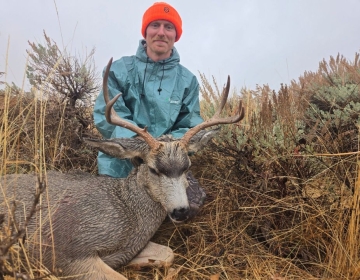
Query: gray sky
{"points": [[254, 41]]}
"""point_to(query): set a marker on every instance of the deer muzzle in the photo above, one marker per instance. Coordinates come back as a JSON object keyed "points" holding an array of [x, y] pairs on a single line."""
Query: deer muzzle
{"points": [[179, 215]]}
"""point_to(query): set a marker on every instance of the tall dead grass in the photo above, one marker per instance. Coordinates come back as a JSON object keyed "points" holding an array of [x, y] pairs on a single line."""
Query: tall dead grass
{"points": [[275, 208], [15, 117], [36, 134]]}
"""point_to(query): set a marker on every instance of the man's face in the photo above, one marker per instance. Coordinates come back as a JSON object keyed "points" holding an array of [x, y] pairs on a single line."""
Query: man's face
{"points": [[160, 39]]}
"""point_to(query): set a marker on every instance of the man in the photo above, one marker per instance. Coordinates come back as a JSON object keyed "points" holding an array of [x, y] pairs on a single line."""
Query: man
{"points": [[157, 91]]}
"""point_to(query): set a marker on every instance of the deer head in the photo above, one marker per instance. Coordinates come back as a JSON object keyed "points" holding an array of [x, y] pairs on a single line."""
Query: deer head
{"points": [[162, 163]]}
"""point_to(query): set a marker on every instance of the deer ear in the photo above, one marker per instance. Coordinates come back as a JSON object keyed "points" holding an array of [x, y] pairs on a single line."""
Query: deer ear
{"points": [[200, 139], [120, 147]]}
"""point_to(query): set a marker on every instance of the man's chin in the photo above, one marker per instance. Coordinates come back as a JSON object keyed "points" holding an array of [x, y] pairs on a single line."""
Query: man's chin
{"points": [[161, 47], [160, 51]]}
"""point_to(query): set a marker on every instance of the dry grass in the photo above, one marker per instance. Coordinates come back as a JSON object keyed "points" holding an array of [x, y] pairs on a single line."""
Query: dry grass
{"points": [[36, 135], [274, 215]]}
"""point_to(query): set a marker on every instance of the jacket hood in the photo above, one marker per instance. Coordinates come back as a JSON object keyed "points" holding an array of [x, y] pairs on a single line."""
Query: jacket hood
{"points": [[170, 62]]}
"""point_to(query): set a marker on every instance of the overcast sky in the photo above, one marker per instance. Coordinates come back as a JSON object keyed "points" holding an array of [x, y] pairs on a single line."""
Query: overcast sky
{"points": [[254, 41]]}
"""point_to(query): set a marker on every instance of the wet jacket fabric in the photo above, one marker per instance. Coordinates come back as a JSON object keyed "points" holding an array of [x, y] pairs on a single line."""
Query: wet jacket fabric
{"points": [[163, 95]]}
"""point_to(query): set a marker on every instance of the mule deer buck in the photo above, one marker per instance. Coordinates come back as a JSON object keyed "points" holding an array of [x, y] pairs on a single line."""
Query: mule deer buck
{"points": [[91, 225]]}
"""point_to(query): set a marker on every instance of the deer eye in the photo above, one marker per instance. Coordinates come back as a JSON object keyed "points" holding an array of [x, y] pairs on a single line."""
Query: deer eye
{"points": [[153, 171]]}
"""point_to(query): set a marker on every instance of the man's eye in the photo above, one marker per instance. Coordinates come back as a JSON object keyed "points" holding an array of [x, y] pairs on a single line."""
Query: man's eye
{"points": [[169, 27]]}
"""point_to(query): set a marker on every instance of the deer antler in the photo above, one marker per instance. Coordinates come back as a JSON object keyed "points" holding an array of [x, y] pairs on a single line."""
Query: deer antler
{"points": [[113, 118], [214, 120]]}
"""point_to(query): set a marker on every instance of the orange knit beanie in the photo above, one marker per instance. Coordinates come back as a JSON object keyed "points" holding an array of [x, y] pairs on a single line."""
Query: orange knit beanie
{"points": [[162, 11]]}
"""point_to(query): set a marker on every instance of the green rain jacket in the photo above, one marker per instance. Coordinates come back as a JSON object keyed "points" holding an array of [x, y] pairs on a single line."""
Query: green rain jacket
{"points": [[163, 95]]}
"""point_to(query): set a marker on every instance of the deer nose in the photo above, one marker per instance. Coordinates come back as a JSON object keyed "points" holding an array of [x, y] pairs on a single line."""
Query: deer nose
{"points": [[180, 214]]}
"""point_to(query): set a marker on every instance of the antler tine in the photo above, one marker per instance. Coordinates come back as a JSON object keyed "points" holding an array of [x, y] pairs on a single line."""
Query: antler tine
{"points": [[113, 118], [215, 120], [224, 97]]}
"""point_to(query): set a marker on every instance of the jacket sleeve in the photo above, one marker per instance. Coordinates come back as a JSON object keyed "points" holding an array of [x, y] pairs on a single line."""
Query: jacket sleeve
{"points": [[117, 82], [189, 115]]}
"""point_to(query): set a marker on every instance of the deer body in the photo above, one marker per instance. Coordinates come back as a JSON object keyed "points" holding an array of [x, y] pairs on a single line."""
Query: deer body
{"points": [[92, 225], [99, 224], [113, 219]]}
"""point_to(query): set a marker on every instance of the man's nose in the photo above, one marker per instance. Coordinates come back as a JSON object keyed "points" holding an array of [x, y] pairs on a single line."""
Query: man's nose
{"points": [[161, 30]]}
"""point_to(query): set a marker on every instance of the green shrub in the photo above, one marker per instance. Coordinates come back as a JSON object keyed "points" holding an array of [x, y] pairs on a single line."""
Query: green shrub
{"points": [[293, 199]]}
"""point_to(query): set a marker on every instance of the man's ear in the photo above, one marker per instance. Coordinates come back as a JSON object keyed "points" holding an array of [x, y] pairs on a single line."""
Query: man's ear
{"points": [[123, 148], [200, 139]]}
